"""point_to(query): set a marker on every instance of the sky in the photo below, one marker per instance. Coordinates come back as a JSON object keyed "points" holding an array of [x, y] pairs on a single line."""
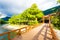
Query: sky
{"points": [[10, 7]]}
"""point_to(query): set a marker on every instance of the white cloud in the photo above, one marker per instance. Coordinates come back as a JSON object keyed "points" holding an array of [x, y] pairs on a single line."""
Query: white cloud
{"points": [[17, 6], [2, 15], [47, 5]]}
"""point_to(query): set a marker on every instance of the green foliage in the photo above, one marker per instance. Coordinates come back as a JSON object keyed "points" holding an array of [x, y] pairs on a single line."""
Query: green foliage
{"points": [[32, 22], [2, 21], [28, 16], [56, 20]]}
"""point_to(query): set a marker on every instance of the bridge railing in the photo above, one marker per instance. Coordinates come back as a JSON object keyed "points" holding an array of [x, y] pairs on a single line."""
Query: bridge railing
{"points": [[11, 34], [54, 36]]}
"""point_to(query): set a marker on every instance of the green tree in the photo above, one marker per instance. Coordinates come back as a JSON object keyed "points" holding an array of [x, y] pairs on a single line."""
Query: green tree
{"points": [[28, 16]]}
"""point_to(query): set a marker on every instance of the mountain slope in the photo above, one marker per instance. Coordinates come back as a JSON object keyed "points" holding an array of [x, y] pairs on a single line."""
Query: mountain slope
{"points": [[51, 10]]}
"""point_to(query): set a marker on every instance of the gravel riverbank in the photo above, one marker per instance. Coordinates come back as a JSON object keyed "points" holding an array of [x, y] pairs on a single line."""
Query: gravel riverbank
{"points": [[13, 27]]}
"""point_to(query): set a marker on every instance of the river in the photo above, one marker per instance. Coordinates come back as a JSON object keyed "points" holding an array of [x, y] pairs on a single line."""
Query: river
{"points": [[2, 30]]}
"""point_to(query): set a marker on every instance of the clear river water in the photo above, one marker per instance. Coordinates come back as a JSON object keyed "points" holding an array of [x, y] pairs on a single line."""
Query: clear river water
{"points": [[2, 30]]}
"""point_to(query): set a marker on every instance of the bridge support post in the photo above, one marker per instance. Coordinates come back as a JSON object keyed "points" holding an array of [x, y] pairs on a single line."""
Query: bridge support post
{"points": [[19, 33], [49, 20], [9, 36], [43, 19]]}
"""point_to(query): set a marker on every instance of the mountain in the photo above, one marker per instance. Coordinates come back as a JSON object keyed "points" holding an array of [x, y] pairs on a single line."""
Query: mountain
{"points": [[6, 18], [51, 10]]}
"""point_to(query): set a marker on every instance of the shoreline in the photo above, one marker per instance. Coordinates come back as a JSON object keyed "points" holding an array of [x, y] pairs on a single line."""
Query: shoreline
{"points": [[13, 27]]}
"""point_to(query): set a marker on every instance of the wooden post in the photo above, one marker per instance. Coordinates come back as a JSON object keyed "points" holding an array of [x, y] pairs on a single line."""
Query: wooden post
{"points": [[49, 20], [43, 19], [19, 32], [9, 36]]}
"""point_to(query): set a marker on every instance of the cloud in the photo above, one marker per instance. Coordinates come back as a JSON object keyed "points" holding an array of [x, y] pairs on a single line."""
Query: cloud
{"points": [[48, 5], [2, 15], [10, 7]]}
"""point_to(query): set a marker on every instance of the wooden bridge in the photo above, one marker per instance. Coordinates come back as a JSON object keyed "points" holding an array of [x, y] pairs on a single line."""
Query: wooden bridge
{"points": [[36, 32]]}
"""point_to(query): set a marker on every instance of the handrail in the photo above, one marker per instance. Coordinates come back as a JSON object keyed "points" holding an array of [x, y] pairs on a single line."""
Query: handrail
{"points": [[54, 36], [10, 32], [19, 31]]}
